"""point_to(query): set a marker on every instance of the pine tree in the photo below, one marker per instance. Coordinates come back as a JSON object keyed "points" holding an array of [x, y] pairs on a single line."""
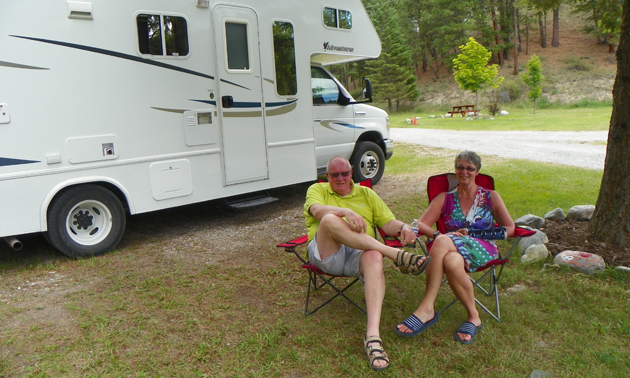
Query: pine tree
{"points": [[392, 73], [533, 78]]}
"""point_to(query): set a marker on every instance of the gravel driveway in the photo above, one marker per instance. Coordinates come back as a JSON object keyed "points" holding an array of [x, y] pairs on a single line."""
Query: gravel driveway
{"points": [[563, 147]]}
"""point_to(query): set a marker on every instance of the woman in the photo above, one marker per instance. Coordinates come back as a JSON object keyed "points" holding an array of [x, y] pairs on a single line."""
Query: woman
{"points": [[467, 206]]}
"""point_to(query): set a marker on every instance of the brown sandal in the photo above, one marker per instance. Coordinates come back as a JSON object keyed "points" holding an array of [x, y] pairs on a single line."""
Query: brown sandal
{"points": [[408, 263], [375, 352]]}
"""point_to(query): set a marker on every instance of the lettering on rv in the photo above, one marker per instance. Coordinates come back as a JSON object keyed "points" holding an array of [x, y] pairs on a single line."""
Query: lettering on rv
{"points": [[330, 47]]}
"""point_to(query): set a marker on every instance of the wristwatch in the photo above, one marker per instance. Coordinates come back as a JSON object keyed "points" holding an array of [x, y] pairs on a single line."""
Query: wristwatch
{"points": [[435, 234]]}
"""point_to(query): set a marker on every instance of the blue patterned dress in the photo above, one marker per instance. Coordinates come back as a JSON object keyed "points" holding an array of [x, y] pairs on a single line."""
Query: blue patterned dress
{"points": [[476, 252]]}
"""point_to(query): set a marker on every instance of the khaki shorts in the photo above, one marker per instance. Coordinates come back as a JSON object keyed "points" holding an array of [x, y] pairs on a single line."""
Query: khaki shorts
{"points": [[344, 262]]}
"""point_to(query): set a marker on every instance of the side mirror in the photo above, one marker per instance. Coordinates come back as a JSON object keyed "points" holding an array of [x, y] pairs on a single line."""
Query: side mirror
{"points": [[367, 91]]}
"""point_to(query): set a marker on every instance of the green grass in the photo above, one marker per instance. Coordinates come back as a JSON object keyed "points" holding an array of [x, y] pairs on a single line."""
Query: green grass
{"points": [[170, 317], [520, 119]]}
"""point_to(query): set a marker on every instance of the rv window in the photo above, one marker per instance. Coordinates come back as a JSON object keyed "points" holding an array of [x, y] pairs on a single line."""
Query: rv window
{"points": [[330, 17], [337, 18], [345, 19], [325, 90], [236, 45], [151, 28], [284, 55]]}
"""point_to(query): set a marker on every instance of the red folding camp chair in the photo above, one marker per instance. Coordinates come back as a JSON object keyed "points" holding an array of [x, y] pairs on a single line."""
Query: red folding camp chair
{"points": [[315, 274], [447, 182]]}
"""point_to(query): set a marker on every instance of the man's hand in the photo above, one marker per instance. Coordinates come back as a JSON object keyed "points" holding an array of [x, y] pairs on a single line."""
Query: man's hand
{"points": [[407, 235], [356, 222]]}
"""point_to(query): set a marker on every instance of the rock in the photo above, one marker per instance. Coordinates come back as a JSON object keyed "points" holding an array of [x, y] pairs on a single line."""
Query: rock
{"points": [[432, 116], [504, 112], [585, 262], [555, 214], [448, 115], [623, 268], [534, 253], [530, 220], [538, 238], [515, 289], [581, 212]]}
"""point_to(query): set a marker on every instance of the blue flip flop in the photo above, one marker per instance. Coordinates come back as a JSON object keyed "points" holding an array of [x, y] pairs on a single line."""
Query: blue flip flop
{"points": [[416, 325], [468, 328]]}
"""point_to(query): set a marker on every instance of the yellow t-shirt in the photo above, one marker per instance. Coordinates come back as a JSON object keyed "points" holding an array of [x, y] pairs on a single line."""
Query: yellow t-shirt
{"points": [[362, 200]]}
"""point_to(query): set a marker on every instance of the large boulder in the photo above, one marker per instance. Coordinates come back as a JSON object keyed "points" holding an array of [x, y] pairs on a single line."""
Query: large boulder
{"points": [[584, 262], [581, 212], [530, 220], [538, 238], [555, 214]]}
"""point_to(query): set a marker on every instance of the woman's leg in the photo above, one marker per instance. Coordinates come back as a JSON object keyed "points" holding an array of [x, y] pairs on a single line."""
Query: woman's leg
{"points": [[462, 287], [442, 246]]}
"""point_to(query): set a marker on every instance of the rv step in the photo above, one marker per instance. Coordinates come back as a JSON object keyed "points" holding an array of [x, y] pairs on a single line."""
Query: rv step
{"points": [[250, 201]]}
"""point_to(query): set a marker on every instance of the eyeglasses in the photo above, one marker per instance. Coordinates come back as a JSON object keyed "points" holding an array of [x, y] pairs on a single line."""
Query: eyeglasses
{"points": [[336, 174], [469, 169]]}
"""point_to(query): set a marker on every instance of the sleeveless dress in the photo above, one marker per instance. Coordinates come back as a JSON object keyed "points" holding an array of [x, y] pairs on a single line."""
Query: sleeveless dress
{"points": [[476, 252]]}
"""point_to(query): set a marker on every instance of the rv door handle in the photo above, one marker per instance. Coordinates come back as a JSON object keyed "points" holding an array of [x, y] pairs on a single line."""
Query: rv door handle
{"points": [[227, 101], [359, 113]]}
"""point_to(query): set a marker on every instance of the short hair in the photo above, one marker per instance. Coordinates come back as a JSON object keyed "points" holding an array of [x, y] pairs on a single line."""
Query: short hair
{"points": [[338, 158], [470, 157]]}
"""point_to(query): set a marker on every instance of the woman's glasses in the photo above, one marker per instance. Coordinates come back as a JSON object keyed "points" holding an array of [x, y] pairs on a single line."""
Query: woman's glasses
{"points": [[336, 174], [469, 169]]}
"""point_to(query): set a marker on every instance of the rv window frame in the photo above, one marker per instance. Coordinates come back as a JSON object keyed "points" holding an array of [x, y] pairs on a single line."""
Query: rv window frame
{"points": [[161, 14], [337, 27], [250, 50]]}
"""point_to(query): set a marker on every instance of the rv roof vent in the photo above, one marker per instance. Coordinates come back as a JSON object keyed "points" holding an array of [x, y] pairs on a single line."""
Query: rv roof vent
{"points": [[203, 3], [79, 10]]}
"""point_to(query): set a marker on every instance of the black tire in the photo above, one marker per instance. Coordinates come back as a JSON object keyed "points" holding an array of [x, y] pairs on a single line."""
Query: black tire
{"points": [[85, 221], [368, 162]]}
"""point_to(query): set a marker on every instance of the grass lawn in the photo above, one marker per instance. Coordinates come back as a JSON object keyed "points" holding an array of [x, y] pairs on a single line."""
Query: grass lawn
{"points": [[554, 119], [148, 310]]}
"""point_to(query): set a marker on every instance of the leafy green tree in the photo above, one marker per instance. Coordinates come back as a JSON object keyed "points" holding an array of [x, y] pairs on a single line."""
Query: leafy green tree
{"points": [[392, 73], [533, 78], [471, 68]]}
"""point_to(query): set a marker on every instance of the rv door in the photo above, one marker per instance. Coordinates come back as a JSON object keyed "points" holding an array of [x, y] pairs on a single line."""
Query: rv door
{"points": [[240, 102]]}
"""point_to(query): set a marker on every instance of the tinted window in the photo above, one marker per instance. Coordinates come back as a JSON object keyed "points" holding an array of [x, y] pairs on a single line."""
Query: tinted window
{"points": [[284, 56], [158, 31]]}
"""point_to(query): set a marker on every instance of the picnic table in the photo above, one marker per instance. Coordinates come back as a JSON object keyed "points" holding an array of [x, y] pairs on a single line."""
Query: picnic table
{"points": [[463, 110]]}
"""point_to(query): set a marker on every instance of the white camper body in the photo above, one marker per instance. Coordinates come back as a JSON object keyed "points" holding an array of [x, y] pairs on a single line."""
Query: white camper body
{"points": [[122, 107]]}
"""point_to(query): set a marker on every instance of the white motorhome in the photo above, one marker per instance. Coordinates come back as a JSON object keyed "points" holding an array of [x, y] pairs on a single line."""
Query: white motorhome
{"points": [[115, 107]]}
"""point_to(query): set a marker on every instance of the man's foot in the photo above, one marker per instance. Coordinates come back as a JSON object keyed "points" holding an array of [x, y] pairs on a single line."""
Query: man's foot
{"points": [[411, 263], [373, 347]]}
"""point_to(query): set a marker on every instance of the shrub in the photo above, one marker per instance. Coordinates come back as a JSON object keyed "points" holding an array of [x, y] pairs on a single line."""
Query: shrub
{"points": [[510, 90], [578, 64], [493, 108]]}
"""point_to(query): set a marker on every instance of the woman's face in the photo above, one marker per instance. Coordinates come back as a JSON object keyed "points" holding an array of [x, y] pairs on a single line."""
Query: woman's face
{"points": [[465, 171]]}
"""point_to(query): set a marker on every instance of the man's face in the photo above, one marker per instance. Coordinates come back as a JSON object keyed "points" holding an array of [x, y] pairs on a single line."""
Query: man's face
{"points": [[339, 176]]}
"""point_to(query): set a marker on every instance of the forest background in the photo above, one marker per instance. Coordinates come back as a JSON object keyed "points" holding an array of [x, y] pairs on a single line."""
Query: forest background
{"points": [[420, 39]]}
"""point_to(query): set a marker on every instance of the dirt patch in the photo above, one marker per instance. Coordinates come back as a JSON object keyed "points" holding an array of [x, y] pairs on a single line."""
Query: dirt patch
{"points": [[574, 236]]}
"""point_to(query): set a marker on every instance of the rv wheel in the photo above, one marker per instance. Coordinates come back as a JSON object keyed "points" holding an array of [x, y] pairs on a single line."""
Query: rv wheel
{"points": [[85, 221], [368, 162]]}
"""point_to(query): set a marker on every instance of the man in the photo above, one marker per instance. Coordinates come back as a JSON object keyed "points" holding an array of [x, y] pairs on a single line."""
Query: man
{"points": [[340, 218]]}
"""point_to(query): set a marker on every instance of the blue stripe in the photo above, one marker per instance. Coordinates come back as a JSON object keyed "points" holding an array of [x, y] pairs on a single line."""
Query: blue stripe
{"points": [[9, 161], [269, 104]]}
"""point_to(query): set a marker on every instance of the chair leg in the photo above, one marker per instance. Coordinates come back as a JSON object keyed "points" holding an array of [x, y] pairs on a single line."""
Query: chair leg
{"points": [[312, 281]]}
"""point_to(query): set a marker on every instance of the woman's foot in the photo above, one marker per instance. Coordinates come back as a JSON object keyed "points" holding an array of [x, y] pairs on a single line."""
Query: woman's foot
{"points": [[413, 325], [466, 333]]}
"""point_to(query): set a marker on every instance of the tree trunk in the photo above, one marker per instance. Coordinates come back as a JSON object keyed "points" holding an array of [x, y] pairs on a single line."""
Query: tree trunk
{"points": [[611, 220], [496, 34], [555, 39], [543, 35], [516, 39]]}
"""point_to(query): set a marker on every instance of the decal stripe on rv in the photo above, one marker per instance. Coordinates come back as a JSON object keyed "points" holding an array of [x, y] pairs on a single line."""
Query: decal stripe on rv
{"points": [[125, 56], [9, 161]]}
